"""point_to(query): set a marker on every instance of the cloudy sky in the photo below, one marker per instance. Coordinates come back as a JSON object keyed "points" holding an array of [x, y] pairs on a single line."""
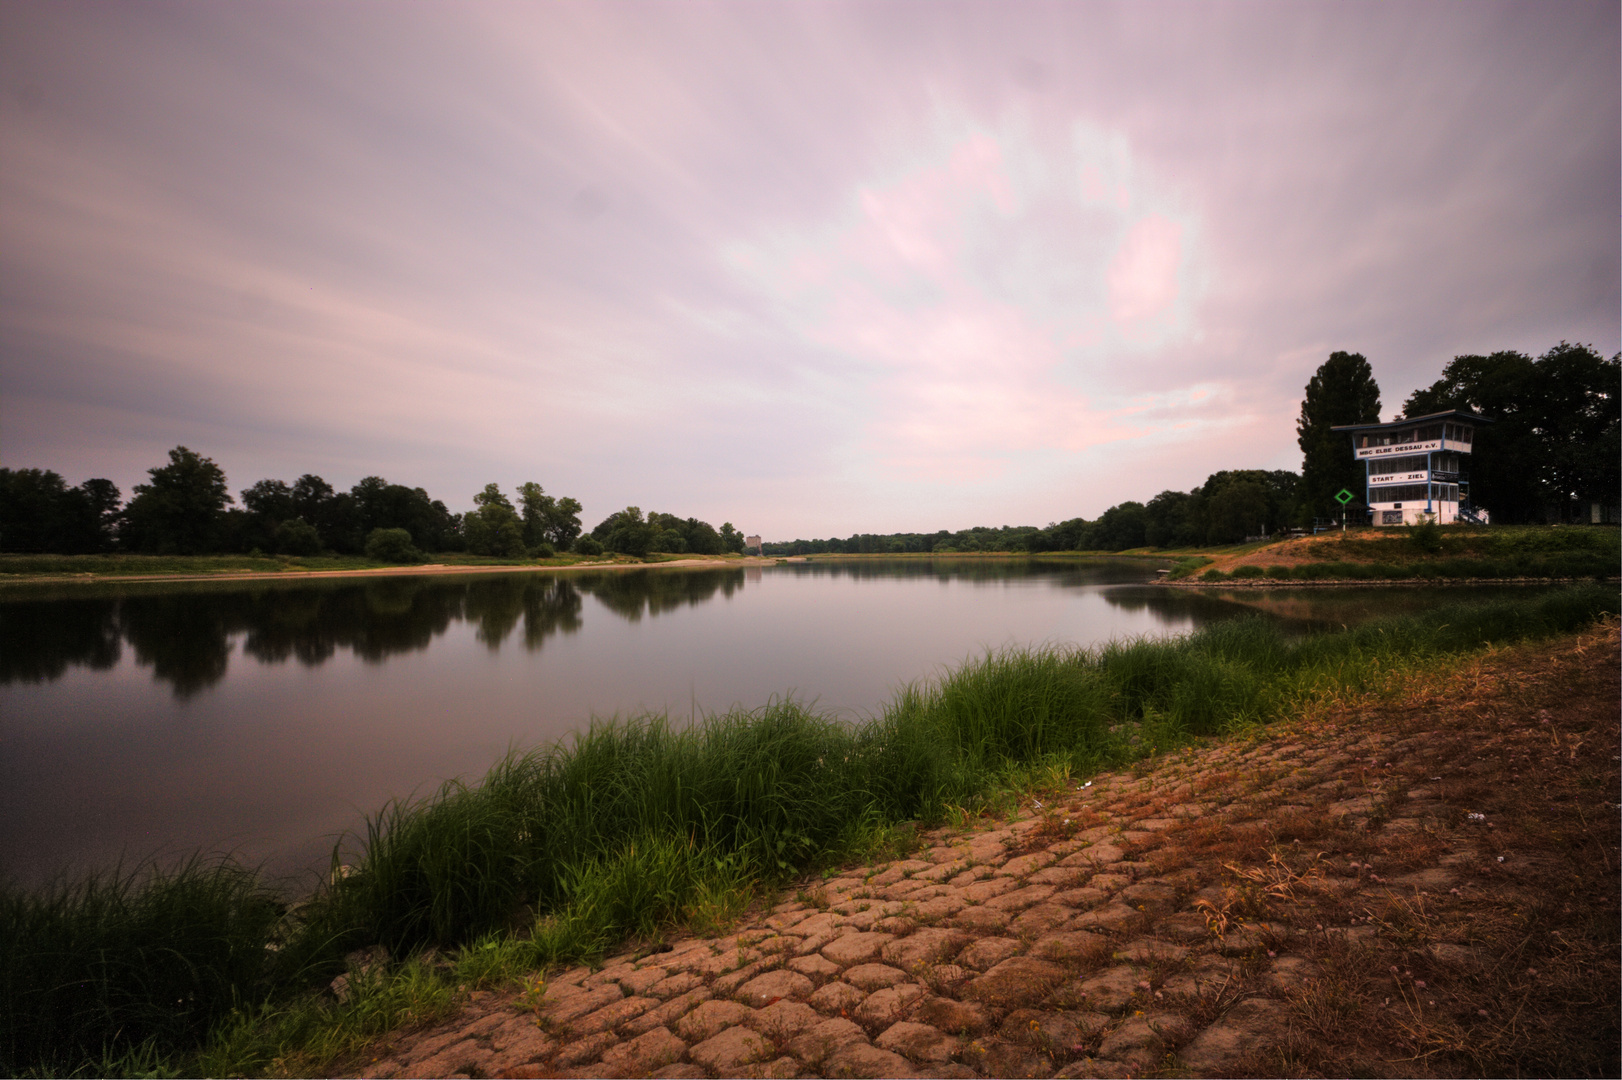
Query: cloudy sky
{"points": [[813, 268]]}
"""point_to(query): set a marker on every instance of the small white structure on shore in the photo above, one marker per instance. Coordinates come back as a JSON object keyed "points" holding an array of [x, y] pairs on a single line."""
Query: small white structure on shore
{"points": [[1416, 468]]}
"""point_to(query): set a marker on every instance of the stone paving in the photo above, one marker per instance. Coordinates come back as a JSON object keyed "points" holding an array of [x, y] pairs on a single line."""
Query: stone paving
{"points": [[1056, 944], [1160, 920]]}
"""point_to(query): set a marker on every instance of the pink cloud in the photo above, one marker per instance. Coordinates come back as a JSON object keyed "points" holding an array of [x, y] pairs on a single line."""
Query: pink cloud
{"points": [[964, 377], [1143, 275]]}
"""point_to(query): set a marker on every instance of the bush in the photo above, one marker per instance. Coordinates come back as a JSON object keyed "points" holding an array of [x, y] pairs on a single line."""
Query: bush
{"points": [[296, 536], [1213, 575], [1426, 536], [1281, 572], [1246, 571], [585, 545], [543, 550], [391, 546]]}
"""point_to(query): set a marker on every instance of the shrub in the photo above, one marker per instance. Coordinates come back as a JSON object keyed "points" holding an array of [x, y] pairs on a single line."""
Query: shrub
{"points": [[295, 536], [1426, 536], [1246, 571], [1213, 575], [585, 545], [1281, 572], [543, 550], [391, 546]]}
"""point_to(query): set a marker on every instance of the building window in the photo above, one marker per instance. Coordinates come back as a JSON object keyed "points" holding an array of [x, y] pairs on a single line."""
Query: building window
{"points": [[1386, 466]]}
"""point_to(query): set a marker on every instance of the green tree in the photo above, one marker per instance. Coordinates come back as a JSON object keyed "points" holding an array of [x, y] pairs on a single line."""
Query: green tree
{"points": [[538, 508], [335, 515], [382, 505], [548, 520], [1171, 519], [182, 509], [626, 532], [731, 538], [493, 527], [1120, 527], [40, 513], [268, 503], [1235, 507], [93, 511], [1237, 503], [1342, 391], [1554, 443], [1578, 391]]}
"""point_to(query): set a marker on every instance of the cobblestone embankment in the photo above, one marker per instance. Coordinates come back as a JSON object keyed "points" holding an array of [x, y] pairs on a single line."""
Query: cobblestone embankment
{"points": [[1178, 918]]}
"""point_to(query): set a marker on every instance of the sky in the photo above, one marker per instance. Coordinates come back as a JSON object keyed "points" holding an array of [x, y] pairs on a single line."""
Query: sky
{"points": [[810, 268]]}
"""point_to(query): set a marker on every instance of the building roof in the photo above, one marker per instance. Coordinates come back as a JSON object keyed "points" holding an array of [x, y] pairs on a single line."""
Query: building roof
{"points": [[1414, 421]]}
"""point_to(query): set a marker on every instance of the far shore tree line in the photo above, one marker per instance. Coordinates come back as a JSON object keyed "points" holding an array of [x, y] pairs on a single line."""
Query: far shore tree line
{"points": [[1552, 451], [186, 508]]}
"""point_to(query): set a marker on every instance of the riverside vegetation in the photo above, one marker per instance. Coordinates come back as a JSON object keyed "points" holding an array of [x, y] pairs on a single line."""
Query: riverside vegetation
{"points": [[1420, 552], [562, 852]]}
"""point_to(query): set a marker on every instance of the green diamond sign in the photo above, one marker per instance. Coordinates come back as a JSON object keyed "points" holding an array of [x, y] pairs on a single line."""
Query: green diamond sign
{"points": [[1343, 497]]}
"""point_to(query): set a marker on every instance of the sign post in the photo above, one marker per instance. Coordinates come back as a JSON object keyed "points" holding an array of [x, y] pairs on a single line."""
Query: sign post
{"points": [[1343, 497]]}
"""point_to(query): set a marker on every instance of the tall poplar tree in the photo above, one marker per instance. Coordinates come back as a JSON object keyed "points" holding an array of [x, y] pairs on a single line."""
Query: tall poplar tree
{"points": [[1342, 391]]}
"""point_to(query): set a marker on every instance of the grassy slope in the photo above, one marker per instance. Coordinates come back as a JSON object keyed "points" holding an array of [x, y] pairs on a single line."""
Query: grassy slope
{"points": [[1455, 551]]}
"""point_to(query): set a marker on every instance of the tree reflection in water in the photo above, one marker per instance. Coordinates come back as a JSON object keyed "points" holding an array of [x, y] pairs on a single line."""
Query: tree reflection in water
{"points": [[186, 632]]}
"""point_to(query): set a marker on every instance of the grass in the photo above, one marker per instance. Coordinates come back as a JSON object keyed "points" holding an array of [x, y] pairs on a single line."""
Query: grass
{"points": [[124, 565], [1514, 971], [1438, 553], [635, 826], [129, 963]]}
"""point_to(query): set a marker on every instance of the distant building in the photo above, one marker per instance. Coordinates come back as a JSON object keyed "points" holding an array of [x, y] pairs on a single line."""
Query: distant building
{"points": [[751, 542], [1418, 467]]}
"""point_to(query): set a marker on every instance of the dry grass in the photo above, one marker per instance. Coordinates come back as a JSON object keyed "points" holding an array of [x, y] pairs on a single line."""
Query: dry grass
{"points": [[1514, 970]]}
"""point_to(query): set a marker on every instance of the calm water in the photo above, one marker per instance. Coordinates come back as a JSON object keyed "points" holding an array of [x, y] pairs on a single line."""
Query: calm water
{"points": [[267, 718]]}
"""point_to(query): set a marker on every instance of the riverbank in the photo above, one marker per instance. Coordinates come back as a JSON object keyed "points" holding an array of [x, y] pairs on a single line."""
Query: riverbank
{"points": [[1415, 882], [1347, 583], [295, 570], [1426, 553], [636, 830]]}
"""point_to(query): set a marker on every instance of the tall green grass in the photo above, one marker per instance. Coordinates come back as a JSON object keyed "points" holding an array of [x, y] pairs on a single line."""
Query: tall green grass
{"points": [[562, 851], [127, 960]]}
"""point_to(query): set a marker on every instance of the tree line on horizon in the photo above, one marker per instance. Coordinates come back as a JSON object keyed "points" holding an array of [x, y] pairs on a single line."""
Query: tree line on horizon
{"points": [[1552, 449], [185, 509]]}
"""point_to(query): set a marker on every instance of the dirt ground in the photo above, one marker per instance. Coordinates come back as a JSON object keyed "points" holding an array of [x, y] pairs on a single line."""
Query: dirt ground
{"points": [[1300, 550], [1425, 886]]}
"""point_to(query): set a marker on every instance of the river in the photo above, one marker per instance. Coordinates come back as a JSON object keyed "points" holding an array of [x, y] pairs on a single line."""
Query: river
{"points": [[267, 718]]}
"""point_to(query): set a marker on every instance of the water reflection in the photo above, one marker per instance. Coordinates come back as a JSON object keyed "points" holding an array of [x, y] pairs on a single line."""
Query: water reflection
{"points": [[1171, 607], [1298, 610], [186, 633], [39, 641], [1065, 572]]}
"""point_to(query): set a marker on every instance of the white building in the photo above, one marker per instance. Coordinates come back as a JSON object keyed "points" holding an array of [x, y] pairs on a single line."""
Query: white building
{"points": [[1418, 467]]}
